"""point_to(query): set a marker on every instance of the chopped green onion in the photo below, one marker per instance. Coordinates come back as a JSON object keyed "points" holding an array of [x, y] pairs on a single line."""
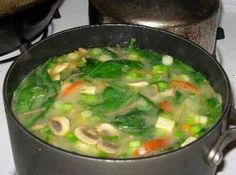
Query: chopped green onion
{"points": [[162, 86], [45, 133], [160, 69], [179, 135], [190, 120], [196, 129], [70, 136], [134, 144], [90, 99]]}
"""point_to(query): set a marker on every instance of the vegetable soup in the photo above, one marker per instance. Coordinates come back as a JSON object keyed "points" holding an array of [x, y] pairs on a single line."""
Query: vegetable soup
{"points": [[116, 102]]}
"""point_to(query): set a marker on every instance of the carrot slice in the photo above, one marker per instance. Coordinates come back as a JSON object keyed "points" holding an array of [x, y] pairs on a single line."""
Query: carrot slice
{"points": [[185, 86], [151, 146], [186, 128], [166, 106], [70, 88]]}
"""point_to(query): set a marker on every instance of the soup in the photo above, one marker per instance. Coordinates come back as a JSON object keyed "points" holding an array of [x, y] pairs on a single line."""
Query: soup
{"points": [[116, 102]]}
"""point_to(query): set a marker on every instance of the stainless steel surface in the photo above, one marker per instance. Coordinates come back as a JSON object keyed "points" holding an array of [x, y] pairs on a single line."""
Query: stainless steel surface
{"points": [[196, 20]]}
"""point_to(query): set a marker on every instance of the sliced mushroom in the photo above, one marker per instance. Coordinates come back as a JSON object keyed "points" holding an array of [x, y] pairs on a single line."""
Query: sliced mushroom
{"points": [[87, 135], [168, 92], [60, 125], [58, 68], [108, 147], [83, 53], [86, 114], [54, 72], [73, 55], [37, 127], [107, 129]]}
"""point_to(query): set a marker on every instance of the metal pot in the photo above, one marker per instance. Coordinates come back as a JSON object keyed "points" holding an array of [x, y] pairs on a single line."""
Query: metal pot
{"points": [[35, 157], [196, 20]]}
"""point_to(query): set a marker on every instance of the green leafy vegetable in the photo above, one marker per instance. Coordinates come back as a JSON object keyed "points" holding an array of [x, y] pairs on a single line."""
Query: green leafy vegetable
{"points": [[45, 133], [113, 98], [132, 122], [112, 69], [97, 52], [70, 136], [214, 107], [36, 93]]}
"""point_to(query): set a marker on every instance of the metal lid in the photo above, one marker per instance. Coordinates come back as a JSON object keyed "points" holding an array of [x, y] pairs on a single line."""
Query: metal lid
{"points": [[158, 13]]}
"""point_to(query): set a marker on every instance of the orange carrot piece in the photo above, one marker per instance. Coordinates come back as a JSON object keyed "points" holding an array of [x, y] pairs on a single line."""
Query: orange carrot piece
{"points": [[150, 146], [185, 86], [70, 88], [185, 128], [166, 106]]}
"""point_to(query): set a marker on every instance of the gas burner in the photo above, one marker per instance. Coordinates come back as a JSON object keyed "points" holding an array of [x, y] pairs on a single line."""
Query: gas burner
{"points": [[20, 30], [14, 54]]}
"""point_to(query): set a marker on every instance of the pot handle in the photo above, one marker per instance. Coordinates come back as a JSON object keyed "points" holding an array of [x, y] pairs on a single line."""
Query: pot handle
{"points": [[216, 154]]}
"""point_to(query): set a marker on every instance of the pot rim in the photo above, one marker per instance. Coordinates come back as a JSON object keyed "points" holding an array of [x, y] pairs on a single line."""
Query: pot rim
{"points": [[7, 105]]}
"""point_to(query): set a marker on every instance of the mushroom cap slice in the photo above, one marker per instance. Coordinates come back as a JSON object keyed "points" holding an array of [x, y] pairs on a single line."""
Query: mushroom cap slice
{"points": [[108, 147], [60, 125], [107, 129], [87, 135]]}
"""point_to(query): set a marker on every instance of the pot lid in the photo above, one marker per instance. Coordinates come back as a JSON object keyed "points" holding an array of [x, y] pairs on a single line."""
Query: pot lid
{"points": [[10, 6], [158, 13]]}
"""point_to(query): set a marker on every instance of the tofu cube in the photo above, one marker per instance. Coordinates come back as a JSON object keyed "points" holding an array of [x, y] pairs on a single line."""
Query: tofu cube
{"points": [[165, 124], [201, 119]]}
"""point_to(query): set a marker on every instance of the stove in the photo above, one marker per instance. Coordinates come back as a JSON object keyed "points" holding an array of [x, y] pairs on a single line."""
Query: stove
{"points": [[75, 13], [20, 29]]}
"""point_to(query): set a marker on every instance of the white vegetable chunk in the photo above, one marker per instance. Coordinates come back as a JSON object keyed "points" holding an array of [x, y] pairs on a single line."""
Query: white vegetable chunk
{"points": [[73, 55], [165, 124], [167, 60], [168, 92], [201, 119], [86, 114], [188, 141], [139, 84], [91, 90], [59, 68]]}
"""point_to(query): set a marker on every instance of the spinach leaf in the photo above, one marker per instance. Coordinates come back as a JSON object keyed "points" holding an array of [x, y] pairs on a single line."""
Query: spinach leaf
{"points": [[113, 98], [112, 69], [38, 91], [144, 54], [132, 122], [214, 107], [97, 52], [197, 77]]}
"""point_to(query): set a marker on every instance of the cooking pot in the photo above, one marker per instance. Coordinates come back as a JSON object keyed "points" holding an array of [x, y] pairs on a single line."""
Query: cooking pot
{"points": [[33, 156], [196, 20]]}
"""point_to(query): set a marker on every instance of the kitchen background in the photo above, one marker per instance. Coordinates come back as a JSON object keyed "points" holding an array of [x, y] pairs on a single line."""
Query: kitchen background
{"points": [[75, 13]]}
